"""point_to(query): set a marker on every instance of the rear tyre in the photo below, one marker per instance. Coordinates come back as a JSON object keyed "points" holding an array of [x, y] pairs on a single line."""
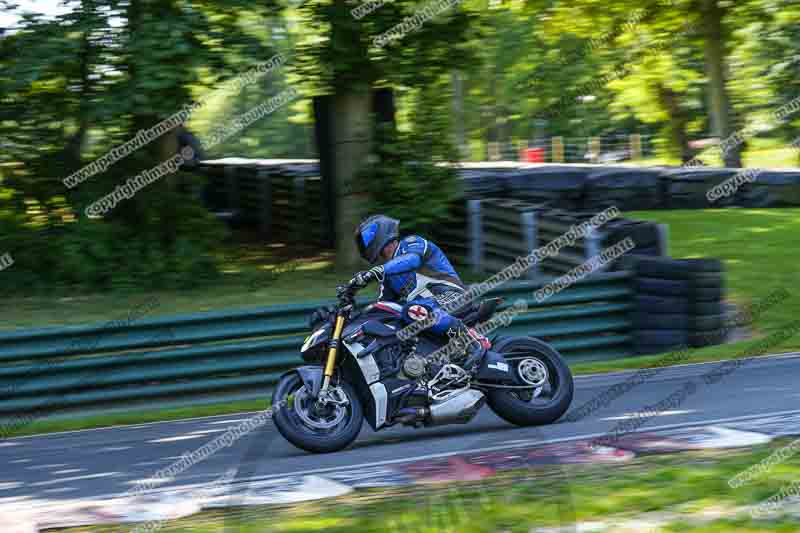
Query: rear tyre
{"points": [[317, 430], [526, 407]]}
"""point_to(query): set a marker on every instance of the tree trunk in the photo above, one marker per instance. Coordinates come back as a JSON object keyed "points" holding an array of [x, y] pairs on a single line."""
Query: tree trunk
{"points": [[78, 140], [678, 120], [458, 114], [492, 133], [136, 209], [713, 14], [168, 146], [76, 143], [351, 144]]}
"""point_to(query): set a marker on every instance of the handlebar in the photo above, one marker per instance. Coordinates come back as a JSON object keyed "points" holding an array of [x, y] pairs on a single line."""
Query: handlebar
{"points": [[346, 292]]}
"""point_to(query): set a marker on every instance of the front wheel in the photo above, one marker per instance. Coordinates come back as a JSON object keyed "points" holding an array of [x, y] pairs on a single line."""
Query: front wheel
{"points": [[539, 365], [313, 427]]}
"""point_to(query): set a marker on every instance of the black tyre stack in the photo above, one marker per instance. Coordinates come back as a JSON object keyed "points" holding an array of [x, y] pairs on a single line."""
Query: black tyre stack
{"points": [[686, 188], [627, 188], [649, 238], [561, 186], [484, 182], [707, 285], [771, 188], [678, 303]]}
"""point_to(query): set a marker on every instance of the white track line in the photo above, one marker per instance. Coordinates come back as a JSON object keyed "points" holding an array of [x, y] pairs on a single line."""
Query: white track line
{"points": [[518, 444], [74, 478], [522, 445]]}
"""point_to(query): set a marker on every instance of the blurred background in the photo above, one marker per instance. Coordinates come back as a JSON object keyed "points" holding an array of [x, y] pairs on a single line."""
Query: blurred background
{"points": [[649, 84]]}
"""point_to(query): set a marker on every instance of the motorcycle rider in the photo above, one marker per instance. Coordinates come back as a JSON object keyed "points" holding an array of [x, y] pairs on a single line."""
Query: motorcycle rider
{"points": [[416, 273]]}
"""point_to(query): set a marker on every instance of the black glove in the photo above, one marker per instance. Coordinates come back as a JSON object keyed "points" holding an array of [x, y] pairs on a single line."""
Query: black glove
{"points": [[320, 316], [363, 278]]}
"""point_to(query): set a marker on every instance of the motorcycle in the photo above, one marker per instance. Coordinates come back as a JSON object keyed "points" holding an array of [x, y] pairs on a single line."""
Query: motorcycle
{"points": [[359, 367]]}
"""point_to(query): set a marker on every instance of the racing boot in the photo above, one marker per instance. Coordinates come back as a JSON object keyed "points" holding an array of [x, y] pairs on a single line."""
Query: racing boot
{"points": [[469, 346]]}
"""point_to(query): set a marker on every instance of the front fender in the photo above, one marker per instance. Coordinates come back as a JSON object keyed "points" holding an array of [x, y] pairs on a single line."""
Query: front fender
{"points": [[312, 377]]}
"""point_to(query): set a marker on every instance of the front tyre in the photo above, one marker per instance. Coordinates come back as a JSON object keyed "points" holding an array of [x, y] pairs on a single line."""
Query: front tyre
{"points": [[538, 364], [312, 427]]}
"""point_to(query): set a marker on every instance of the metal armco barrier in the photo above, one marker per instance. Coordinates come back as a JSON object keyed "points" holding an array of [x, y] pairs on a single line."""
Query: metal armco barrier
{"points": [[225, 356]]}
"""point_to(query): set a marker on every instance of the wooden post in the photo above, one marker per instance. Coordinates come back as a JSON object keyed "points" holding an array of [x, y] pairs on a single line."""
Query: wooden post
{"points": [[594, 148], [558, 150], [522, 146], [531, 240], [636, 147], [494, 151], [474, 235]]}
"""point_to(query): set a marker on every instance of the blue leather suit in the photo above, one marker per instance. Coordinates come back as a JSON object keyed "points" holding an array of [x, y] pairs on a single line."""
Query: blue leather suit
{"points": [[420, 277]]}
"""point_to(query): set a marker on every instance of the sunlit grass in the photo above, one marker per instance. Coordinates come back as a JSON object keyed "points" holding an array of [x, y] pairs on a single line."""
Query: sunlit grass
{"points": [[760, 249], [762, 153], [251, 276]]}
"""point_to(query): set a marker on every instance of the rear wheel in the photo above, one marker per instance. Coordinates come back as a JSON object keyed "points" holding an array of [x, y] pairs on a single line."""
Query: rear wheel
{"points": [[539, 365], [314, 427]]}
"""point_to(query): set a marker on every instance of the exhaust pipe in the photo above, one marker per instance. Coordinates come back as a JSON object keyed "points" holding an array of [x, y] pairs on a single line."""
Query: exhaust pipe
{"points": [[459, 409]]}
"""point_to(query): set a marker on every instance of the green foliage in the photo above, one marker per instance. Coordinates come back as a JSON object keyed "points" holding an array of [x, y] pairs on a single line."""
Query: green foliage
{"points": [[337, 51], [78, 85], [92, 254], [769, 76], [410, 175]]}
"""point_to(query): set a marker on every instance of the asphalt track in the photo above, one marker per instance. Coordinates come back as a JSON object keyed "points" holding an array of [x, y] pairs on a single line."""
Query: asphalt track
{"points": [[96, 464]]}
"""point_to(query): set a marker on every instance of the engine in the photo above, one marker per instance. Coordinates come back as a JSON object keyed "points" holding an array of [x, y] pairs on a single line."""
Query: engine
{"points": [[414, 366]]}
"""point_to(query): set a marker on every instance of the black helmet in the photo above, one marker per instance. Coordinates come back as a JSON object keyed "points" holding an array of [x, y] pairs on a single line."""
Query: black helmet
{"points": [[373, 234]]}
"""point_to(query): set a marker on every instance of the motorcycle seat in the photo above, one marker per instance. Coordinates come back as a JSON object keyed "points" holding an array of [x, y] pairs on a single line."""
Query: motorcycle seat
{"points": [[484, 311]]}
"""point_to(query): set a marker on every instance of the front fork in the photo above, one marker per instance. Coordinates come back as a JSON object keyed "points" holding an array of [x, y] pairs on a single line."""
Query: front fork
{"points": [[333, 350]]}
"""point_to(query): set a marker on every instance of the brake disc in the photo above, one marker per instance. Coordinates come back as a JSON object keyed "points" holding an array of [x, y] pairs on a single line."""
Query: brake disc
{"points": [[304, 408], [533, 372]]}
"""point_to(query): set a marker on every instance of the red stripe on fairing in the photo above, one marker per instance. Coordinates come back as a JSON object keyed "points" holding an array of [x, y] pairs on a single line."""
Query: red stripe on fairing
{"points": [[387, 308]]}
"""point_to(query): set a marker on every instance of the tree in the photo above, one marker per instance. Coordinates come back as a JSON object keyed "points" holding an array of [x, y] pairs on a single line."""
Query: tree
{"points": [[339, 55], [77, 86], [712, 16], [620, 23]]}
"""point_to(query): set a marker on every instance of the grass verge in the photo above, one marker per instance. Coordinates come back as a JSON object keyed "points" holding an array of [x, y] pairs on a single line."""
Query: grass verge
{"points": [[44, 426], [686, 491], [737, 350]]}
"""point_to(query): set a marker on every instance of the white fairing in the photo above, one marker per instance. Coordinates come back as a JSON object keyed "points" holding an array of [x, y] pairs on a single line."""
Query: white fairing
{"points": [[312, 339], [381, 402], [423, 282], [367, 363], [392, 305]]}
